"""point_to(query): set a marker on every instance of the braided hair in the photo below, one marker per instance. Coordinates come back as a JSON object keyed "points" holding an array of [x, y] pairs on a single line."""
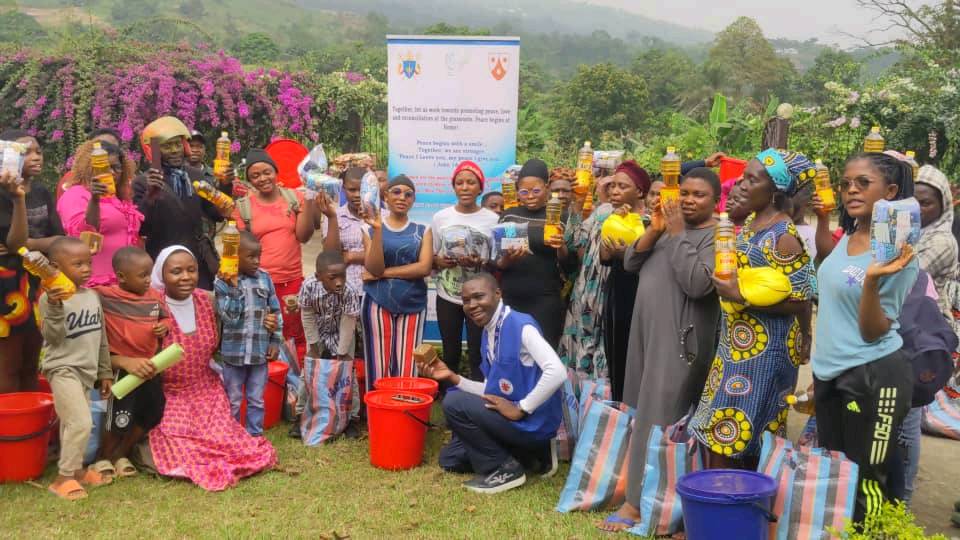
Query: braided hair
{"points": [[893, 171]]}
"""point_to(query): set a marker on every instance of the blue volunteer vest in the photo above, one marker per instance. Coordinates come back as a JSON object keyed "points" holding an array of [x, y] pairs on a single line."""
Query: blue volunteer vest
{"points": [[509, 378]]}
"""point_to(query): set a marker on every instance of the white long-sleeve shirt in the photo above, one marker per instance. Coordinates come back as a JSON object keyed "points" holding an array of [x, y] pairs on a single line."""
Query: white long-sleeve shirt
{"points": [[533, 349]]}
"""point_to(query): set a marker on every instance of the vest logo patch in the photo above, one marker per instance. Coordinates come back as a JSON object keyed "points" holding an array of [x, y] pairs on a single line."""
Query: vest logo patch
{"points": [[506, 386]]}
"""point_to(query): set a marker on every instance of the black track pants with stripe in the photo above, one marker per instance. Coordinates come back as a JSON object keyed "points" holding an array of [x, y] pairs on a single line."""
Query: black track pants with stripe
{"points": [[859, 413]]}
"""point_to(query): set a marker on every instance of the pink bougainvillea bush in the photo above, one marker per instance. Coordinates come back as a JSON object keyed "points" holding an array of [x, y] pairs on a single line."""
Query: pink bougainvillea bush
{"points": [[61, 98]]}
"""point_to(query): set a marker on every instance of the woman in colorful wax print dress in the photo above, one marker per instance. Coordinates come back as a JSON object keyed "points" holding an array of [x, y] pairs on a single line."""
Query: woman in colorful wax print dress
{"points": [[760, 349]]}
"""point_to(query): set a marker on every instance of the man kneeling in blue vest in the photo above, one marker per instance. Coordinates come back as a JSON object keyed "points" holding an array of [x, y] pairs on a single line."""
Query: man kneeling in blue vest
{"points": [[508, 421]]}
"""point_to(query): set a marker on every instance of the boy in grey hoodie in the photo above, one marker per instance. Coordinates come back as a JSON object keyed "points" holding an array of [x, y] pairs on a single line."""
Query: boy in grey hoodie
{"points": [[76, 356]]}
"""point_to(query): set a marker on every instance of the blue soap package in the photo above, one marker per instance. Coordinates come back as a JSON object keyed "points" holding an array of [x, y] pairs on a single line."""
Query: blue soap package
{"points": [[894, 225], [508, 236]]}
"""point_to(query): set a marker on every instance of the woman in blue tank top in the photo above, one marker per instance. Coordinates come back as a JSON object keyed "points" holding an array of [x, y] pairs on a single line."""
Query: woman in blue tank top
{"points": [[399, 257]]}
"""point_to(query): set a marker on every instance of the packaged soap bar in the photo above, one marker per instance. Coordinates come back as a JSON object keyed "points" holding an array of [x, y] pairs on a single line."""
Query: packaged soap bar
{"points": [[507, 236], [894, 224], [462, 241], [605, 161], [11, 157]]}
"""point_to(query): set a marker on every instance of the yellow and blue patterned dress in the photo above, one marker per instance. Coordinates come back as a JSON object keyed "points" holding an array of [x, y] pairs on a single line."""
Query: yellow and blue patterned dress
{"points": [[757, 359]]}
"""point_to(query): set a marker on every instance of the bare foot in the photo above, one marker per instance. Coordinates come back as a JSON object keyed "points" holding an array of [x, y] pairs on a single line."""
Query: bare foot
{"points": [[621, 520]]}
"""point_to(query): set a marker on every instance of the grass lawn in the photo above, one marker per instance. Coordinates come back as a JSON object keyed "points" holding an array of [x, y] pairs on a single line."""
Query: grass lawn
{"points": [[325, 492]]}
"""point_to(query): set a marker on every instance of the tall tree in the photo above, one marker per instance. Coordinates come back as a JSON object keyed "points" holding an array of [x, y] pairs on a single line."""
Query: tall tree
{"points": [[830, 65], [669, 74], [599, 99], [744, 62], [934, 24]]}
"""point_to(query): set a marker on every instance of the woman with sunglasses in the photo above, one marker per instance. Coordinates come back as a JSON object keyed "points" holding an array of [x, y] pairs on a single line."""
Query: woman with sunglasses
{"points": [[862, 381], [531, 280], [399, 255], [87, 207]]}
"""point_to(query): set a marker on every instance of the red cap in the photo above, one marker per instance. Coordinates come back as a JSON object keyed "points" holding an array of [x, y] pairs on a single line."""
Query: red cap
{"points": [[469, 166]]}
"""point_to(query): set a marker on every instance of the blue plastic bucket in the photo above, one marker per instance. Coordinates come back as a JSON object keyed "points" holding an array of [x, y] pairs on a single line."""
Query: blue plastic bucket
{"points": [[726, 504]]}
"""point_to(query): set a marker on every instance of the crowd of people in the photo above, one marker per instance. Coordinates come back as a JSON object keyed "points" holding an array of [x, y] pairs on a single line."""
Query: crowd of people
{"points": [[675, 342]]}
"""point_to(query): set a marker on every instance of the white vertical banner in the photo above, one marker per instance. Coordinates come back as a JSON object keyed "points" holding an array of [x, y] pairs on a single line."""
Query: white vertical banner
{"points": [[450, 98]]}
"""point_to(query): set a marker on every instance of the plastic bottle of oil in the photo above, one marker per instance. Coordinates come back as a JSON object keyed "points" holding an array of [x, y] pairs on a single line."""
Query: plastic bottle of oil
{"points": [[801, 403], [102, 172], [584, 170], [587, 205], [912, 160], [221, 200], [50, 277], [725, 248], [230, 261], [824, 188], [222, 162], [551, 226], [670, 170], [509, 188], [873, 143]]}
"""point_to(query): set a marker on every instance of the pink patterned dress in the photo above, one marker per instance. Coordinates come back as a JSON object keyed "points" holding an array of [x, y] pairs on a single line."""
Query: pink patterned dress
{"points": [[197, 438]]}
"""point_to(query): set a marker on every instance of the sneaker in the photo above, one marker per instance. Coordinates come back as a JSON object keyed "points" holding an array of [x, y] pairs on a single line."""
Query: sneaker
{"points": [[294, 432], [549, 463], [508, 476]]}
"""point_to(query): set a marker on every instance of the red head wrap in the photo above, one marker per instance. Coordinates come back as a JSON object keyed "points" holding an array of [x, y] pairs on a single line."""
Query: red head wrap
{"points": [[468, 166], [638, 174]]}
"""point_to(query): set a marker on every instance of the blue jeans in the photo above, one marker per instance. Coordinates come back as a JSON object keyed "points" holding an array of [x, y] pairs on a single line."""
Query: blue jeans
{"points": [[910, 441], [253, 379]]}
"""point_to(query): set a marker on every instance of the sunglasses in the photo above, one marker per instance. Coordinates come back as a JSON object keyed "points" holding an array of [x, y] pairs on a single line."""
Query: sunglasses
{"points": [[400, 192], [862, 184], [527, 192]]}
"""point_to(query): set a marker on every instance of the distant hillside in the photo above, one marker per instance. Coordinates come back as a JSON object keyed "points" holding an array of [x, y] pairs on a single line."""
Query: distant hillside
{"points": [[533, 16]]}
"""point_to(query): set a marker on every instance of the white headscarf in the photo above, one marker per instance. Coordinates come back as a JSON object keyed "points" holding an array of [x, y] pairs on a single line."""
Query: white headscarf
{"points": [[182, 310]]}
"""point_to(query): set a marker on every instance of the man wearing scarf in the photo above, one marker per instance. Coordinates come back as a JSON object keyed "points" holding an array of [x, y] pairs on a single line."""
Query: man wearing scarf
{"points": [[173, 212]]}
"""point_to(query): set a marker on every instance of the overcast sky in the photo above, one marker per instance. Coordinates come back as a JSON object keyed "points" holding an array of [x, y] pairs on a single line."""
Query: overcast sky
{"points": [[801, 20]]}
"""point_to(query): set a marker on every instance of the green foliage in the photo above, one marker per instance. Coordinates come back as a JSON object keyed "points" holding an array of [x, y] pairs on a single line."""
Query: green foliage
{"points": [[256, 48], [670, 74], [444, 29], [599, 98], [20, 28], [830, 65], [128, 11], [743, 63], [894, 522]]}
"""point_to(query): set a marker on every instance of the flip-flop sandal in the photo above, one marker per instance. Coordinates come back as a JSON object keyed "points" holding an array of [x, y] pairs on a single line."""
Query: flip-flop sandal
{"points": [[92, 478], [614, 519], [71, 490], [125, 468], [105, 468]]}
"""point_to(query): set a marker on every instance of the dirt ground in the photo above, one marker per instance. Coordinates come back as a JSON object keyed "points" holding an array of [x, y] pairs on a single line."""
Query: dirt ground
{"points": [[938, 485]]}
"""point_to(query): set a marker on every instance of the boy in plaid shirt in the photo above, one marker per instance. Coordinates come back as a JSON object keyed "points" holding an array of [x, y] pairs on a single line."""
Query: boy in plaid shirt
{"points": [[249, 312]]}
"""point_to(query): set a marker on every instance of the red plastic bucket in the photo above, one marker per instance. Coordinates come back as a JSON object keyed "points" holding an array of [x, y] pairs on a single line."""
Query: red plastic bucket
{"points": [[731, 168], [273, 395], [397, 421], [422, 385], [25, 422]]}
